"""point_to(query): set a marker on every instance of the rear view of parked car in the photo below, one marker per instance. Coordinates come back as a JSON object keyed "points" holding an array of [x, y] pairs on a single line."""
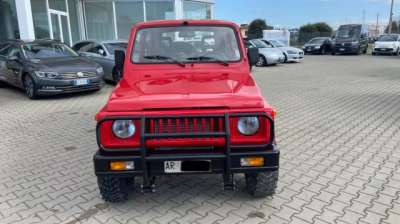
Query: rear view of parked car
{"points": [[291, 54], [387, 44], [268, 54], [103, 54], [46, 67], [318, 45]]}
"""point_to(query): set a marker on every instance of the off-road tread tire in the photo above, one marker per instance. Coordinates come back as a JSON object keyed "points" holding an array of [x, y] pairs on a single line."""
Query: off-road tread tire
{"points": [[114, 189], [262, 184]]}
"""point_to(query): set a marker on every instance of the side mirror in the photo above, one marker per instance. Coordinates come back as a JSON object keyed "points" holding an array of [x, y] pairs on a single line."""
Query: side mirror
{"points": [[252, 54], [102, 52], [119, 57]]}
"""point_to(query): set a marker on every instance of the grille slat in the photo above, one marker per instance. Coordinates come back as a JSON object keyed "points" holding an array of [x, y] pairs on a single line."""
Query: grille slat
{"points": [[184, 125]]}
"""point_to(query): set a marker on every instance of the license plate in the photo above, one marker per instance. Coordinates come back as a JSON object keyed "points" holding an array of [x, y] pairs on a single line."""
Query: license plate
{"points": [[342, 49], [308, 49], [173, 166], [81, 82]]}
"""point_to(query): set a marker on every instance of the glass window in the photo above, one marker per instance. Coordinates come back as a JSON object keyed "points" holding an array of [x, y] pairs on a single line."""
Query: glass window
{"points": [[73, 19], [159, 9], [47, 50], [8, 20], [112, 47], [196, 10], [99, 20], [128, 14], [81, 46], [58, 5], [40, 19], [186, 44], [4, 48]]}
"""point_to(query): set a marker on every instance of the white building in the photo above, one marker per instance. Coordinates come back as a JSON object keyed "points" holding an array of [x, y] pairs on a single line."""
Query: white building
{"points": [[74, 20]]}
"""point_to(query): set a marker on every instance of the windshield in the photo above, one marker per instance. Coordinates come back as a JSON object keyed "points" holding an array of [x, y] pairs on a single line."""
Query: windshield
{"points": [[277, 43], [47, 50], [112, 47], [186, 44], [349, 31], [317, 41], [261, 44], [388, 38]]}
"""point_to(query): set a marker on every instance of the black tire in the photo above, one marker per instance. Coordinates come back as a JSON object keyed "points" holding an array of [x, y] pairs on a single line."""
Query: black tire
{"points": [[114, 189], [116, 76], [2, 84], [30, 87], [323, 51], [286, 58], [261, 61], [373, 53], [262, 184], [333, 53]]}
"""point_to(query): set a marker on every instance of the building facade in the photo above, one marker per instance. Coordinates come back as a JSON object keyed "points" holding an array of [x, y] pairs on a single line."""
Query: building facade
{"points": [[74, 20]]}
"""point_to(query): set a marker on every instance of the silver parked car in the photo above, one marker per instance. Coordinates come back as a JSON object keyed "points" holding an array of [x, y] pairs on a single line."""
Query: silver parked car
{"points": [[292, 54], [268, 54], [102, 52]]}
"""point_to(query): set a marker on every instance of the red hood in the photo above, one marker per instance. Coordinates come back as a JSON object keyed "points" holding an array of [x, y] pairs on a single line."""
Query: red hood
{"points": [[147, 91]]}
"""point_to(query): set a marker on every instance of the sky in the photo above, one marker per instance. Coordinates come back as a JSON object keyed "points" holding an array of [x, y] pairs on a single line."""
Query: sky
{"points": [[294, 13]]}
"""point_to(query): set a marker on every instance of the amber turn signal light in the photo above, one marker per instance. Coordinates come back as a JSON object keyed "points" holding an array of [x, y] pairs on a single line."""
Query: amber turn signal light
{"points": [[122, 165], [252, 161]]}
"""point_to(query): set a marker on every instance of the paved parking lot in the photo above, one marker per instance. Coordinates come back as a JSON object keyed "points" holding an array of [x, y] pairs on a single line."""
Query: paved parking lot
{"points": [[338, 128]]}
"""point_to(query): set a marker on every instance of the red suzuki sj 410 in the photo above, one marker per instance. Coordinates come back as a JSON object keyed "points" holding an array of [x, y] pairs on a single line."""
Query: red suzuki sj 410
{"points": [[187, 104]]}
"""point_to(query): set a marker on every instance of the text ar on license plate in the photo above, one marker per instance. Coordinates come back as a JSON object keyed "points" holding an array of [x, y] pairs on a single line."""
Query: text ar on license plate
{"points": [[80, 82], [172, 166]]}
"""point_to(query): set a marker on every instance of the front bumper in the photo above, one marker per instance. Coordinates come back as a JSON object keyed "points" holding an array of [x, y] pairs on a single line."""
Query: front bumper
{"points": [[155, 162], [275, 59], [295, 57], [384, 50], [58, 86], [346, 49], [312, 50]]}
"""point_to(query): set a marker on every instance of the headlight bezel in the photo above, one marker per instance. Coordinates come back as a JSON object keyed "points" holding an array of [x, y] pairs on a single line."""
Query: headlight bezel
{"points": [[243, 128], [130, 129], [48, 75]]}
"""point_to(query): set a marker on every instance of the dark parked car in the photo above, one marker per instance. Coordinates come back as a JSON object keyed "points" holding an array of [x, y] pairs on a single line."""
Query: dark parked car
{"points": [[351, 39], [318, 45], [103, 54], [47, 67]]}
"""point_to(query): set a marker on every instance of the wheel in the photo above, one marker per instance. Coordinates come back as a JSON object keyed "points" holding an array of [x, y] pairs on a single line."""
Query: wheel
{"points": [[397, 52], [116, 75], [30, 87], [262, 184], [365, 50], [261, 61], [2, 84], [373, 53], [333, 53], [286, 58], [114, 189], [323, 51]]}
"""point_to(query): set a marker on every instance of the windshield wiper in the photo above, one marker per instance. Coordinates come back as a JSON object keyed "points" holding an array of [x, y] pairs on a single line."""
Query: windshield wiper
{"points": [[164, 58], [207, 58]]}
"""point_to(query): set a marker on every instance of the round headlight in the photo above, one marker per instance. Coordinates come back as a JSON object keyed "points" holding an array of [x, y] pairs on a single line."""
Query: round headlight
{"points": [[248, 125], [123, 128]]}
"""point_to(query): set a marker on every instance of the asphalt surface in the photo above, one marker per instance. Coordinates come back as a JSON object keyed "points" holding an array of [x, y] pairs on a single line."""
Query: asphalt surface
{"points": [[338, 129]]}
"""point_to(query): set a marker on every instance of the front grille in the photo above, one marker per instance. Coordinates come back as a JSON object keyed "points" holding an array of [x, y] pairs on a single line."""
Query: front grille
{"points": [[70, 88], [77, 75], [185, 125]]}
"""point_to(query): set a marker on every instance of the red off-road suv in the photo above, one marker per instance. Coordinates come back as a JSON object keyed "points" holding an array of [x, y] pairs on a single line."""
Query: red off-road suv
{"points": [[187, 104]]}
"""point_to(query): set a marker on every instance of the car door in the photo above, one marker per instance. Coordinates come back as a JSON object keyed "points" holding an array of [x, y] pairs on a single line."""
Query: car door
{"points": [[14, 67], [4, 48]]}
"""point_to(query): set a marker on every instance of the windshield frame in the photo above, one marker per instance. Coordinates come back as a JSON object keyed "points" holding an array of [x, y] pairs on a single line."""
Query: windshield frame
{"points": [[348, 29], [235, 32], [388, 35], [38, 44]]}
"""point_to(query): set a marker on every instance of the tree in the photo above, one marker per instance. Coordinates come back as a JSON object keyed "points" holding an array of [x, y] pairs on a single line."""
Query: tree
{"points": [[395, 28], [309, 31], [256, 28]]}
